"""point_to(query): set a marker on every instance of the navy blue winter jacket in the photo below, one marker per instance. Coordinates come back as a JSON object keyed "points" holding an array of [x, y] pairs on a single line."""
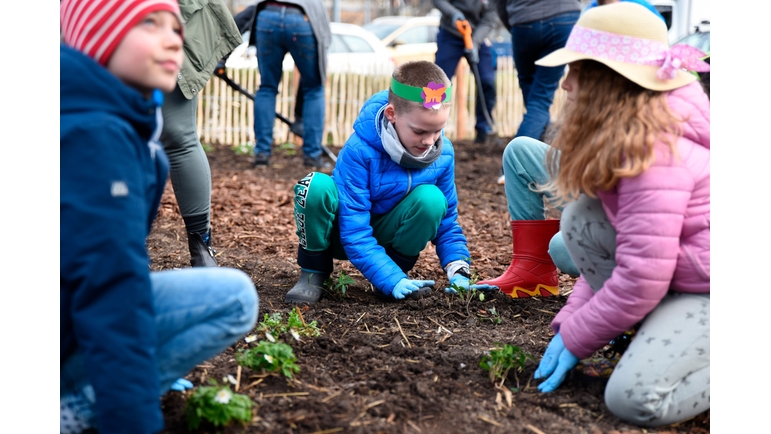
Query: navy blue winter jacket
{"points": [[112, 181], [368, 181]]}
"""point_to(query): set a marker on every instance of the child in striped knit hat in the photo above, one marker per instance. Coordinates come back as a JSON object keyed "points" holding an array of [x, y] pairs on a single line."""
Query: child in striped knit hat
{"points": [[127, 334]]}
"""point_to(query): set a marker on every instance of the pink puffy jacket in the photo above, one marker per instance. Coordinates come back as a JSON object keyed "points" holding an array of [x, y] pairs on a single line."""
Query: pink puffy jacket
{"points": [[661, 219]]}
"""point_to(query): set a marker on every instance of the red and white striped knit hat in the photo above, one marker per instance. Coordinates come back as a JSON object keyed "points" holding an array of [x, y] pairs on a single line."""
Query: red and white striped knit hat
{"points": [[96, 27]]}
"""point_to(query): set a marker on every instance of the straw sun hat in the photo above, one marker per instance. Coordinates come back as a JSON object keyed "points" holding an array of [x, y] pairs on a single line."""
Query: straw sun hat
{"points": [[632, 41]]}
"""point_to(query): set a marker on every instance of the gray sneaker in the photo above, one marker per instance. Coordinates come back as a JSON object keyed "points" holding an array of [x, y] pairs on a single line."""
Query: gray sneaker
{"points": [[308, 289]]}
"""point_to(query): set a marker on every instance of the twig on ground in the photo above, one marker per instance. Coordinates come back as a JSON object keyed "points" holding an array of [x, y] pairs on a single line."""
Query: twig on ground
{"points": [[402, 332], [238, 378], [534, 429], [490, 421]]}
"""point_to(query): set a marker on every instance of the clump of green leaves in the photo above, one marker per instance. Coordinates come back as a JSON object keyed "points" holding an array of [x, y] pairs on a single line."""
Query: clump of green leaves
{"points": [[502, 359], [217, 405], [243, 148], [270, 357], [288, 148], [295, 324], [339, 287]]}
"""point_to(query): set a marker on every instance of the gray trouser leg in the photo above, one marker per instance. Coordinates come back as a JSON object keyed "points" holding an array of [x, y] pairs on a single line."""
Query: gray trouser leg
{"points": [[663, 377], [590, 239], [190, 173]]}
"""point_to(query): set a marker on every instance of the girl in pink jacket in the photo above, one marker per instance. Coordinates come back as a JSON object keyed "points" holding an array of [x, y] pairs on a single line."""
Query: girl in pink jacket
{"points": [[631, 160]]}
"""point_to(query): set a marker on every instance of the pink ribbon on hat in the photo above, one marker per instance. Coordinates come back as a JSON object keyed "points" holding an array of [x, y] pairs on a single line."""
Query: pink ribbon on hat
{"points": [[638, 51]]}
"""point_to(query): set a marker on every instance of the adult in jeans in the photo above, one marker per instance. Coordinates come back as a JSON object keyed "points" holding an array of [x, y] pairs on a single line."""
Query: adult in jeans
{"points": [[481, 17], [300, 28], [537, 28], [211, 34]]}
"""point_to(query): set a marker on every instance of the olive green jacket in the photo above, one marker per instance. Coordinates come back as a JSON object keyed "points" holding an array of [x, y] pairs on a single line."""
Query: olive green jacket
{"points": [[210, 34]]}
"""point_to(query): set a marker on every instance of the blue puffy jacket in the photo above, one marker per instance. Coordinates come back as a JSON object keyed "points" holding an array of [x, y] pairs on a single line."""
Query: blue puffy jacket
{"points": [[112, 180], [369, 182]]}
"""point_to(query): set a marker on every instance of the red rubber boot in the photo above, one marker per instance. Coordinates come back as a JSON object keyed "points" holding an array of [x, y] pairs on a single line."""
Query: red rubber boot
{"points": [[532, 272]]}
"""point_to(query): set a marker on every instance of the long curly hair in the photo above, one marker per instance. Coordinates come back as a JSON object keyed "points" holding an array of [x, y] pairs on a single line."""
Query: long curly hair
{"points": [[609, 132]]}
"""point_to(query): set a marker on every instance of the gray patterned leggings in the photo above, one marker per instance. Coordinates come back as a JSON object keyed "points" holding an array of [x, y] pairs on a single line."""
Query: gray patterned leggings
{"points": [[663, 377]]}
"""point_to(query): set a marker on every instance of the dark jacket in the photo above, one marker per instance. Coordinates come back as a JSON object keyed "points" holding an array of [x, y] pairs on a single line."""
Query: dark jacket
{"points": [[480, 14], [513, 12], [368, 181], [111, 182]]}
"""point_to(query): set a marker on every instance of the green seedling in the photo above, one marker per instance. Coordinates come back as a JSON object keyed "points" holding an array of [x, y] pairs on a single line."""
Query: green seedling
{"points": [[339, 287], [243, 148], [297, 323], [207, 147], [288, 148], [269, 357], [274, 325], [217, 405], [491, 315], [499, 361]]}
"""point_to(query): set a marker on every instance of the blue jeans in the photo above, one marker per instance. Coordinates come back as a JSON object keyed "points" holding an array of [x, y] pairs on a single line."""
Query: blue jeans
{"points": [[524, 168], [450, 49], [199, 312], [278, 33], [530, 42]]}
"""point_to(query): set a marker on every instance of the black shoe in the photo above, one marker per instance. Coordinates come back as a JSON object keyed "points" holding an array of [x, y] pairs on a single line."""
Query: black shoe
{"points": [[261, 160], [317, 162], [481, 137], [201, 252]]}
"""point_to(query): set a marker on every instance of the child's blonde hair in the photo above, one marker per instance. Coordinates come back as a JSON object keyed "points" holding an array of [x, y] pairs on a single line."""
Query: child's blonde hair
{"points": [[416, 73], [609, 132]]}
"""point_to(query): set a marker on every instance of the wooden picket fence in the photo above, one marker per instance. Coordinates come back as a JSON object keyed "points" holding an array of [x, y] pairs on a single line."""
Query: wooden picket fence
{"points": [[226, 116]]}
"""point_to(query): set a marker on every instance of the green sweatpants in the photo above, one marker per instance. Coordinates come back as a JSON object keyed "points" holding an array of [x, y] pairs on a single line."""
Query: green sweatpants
{"points": [[407, 228]]}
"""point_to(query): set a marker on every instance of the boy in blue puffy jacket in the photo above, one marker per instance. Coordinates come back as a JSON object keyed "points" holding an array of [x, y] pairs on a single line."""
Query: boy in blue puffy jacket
{"points": [[391, 192], [127, 334]]}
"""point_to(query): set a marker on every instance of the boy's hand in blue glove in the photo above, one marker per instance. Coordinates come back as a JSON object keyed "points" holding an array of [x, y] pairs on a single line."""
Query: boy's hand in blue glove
{"points": [[462, 281], [181, 384], [407, 286], [557, 361]]}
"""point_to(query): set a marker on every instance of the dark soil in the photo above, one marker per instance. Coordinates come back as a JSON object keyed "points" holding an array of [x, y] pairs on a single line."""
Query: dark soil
{"points": [[381, 366]]}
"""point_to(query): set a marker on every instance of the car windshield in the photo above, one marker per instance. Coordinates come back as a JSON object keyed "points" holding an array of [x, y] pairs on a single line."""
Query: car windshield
{"points": [[381, 30], [349, 44]]}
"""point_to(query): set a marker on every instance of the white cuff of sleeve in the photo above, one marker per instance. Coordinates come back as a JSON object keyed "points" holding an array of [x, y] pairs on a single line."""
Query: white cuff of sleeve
{"points": [[457, 267]]}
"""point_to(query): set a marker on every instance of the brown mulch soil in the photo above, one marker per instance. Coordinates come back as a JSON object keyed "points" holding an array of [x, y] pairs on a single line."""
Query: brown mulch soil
{"points": [[381, 366]]}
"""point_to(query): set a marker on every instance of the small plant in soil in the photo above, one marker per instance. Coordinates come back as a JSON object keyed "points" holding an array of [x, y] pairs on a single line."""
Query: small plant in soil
{"points": [[274, 325], [217, 405], [502, 359], [288, 148], [269, 357], [491, 315], [339, 287], [243, 148]]}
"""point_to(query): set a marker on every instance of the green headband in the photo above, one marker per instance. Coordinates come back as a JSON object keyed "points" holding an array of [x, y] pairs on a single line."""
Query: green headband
{"points": [[432, 96]]}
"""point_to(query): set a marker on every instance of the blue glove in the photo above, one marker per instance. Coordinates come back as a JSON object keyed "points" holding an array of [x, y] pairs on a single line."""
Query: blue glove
{"points": [[458, 16], [407, 286], [462, 281], [181, 384], [557, 361]]}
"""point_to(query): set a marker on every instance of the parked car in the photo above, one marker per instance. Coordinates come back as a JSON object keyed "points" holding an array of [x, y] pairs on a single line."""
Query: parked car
{"points": [[698, 39], [352, 50], [407, 38]]}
